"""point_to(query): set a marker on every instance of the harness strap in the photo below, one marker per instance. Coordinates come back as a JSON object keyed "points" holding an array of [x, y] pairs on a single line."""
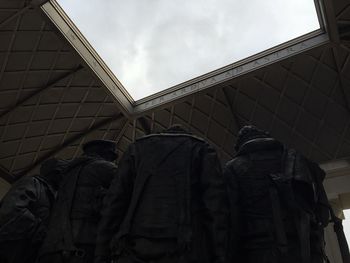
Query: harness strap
{"points": [[68, 243], [72, 180], [139, 184], [184, 196], [277, 221], [302, 223]]}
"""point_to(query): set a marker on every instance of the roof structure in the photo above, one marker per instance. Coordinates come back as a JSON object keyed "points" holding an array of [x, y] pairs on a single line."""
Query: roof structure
{"points": [[56, 93]]}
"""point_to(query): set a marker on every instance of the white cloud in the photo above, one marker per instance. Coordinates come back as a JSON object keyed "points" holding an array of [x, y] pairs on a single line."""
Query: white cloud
{"points": [[154, 44]]}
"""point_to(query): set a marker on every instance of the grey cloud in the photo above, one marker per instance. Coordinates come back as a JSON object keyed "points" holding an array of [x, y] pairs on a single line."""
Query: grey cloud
{"points": [[154, 44]]}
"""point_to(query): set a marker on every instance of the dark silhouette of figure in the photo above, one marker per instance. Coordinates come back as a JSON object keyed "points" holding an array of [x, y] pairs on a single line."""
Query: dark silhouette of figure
{"points": [[72, 230], [277, 202], [25, 211], [167, 204]]}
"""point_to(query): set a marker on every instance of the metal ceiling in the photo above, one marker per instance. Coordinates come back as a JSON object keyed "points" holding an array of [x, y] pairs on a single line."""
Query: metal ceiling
{"points": [[52, 100]]}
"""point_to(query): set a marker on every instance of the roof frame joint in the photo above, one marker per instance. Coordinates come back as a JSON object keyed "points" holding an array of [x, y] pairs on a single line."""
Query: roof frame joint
{"points": [[6, 175], [69, 141], [32, 4], [41, 90]]}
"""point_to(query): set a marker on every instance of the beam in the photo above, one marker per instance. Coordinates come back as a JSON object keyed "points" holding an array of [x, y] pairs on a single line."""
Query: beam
{"points": [[331, 21], [33, 4], [86, 52], [234, 115], [232, 71], [120, 134], [15, 15], [344, 30], [341, 82], [39, 91], [69, 142]]}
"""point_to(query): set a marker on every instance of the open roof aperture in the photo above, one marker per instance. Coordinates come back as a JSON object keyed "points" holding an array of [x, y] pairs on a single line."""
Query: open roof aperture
{"points": [[153, 45]]}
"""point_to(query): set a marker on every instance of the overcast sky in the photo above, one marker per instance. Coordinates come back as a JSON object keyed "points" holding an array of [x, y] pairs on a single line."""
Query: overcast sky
{"points": [[155, 44]]}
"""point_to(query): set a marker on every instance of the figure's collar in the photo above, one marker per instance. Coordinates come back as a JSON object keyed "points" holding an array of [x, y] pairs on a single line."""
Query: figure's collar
{"points": [[44, 181], [259, 144]]}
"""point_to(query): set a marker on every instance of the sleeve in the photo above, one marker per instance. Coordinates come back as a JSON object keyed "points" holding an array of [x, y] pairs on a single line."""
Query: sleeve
{"points": [[115, 204], [231, 182], [322, 206], [17, 219], [215, 201], [107, 172]]}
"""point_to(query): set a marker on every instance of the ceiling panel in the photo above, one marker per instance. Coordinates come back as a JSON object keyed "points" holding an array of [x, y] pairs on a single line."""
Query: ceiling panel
{"points": [[49, 103]]}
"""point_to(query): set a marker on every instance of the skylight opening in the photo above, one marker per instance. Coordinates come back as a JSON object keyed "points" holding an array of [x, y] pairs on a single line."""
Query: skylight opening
{"points": [[153, 45]]}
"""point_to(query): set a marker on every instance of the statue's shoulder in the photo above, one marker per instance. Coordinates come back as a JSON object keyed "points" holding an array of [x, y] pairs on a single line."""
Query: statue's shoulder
{"points": [[239, 164], [25, 181]]}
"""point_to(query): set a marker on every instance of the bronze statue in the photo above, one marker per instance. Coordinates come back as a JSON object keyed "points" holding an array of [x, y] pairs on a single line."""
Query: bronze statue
{"points": [[278, 204], [25, 211], [72, 230], [168, 203]]}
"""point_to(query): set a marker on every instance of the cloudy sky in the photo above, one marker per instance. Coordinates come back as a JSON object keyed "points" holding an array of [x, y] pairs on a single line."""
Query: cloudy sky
{"points": [[155, 44]]}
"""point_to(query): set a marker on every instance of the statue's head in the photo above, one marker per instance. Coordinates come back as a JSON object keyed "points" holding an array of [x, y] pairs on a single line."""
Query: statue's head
{"points": [[104, 148], [51, 169], [248, 133]]}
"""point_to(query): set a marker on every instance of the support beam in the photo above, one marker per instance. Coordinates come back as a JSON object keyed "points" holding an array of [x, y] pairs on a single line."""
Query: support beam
{"points": [[33, 4], [232, 71], [69, 142], [39, 91], [341, 81], [331, 21], [121, 132], [234, 115], [344, 30], [15, 15], [86, 52]]}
